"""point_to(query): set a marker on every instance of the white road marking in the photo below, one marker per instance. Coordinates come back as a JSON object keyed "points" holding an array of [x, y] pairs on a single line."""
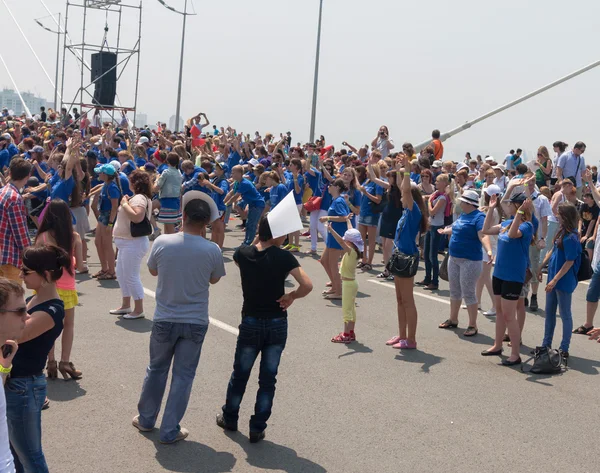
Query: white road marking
{"points": [[426, 296], [215, 322]]}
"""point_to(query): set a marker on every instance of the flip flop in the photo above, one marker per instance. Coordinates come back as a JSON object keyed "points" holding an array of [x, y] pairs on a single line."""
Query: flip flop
{"points": [[471, 332], [333, 297], [107, 277], [582, 330], [448, 324], [98, 274]]}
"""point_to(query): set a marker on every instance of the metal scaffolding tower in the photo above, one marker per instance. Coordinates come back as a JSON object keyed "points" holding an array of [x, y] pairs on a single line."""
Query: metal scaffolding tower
{"points": [[113, 11]]}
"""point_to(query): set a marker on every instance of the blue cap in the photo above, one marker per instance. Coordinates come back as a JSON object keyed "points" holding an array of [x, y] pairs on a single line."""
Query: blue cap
{"points": [[107, 169], [223, 167], [149, 167]]}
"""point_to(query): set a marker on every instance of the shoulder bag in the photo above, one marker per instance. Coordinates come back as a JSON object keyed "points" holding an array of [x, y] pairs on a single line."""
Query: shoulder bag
{"points": [[585, 268], [546, 361], [143, 228], [401, 264]]}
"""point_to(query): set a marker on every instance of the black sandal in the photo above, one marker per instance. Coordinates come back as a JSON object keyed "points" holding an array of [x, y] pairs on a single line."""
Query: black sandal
{"points": [[583, 330], [448, 324], [471, 332]]}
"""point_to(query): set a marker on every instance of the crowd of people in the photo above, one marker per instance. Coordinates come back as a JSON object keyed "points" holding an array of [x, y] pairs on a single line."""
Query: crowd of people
{"points": [[495, 224]]}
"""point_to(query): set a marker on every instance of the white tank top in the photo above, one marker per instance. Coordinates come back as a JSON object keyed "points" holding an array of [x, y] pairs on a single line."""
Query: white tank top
{"points": [[6, 458], [552, 218]]}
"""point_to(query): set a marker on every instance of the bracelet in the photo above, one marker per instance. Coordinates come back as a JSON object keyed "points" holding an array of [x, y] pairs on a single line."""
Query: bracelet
{"points": [[520, 212], [5, 370]]}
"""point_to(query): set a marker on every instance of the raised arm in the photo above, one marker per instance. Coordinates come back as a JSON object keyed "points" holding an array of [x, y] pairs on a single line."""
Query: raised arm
{"points": [[373, 177]]}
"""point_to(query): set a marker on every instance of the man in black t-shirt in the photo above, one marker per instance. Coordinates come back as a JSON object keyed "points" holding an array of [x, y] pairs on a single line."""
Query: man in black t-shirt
{"points": [[264, 269]]}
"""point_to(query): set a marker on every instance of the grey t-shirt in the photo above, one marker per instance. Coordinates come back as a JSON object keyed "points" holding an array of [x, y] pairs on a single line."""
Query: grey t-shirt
{"points": [[185, 265]]}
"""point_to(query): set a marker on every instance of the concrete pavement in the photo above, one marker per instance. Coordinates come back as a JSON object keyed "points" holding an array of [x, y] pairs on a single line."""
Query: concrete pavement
{"points": [[363, 407]]}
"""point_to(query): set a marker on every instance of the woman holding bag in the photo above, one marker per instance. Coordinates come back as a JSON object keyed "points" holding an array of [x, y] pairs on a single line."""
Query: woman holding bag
{"points": [[132, 248], [414, 220]]}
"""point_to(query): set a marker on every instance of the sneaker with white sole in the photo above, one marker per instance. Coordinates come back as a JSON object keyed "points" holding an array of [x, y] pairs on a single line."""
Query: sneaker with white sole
{"points": [[136, 423], [490, 313], [132, 316], [181, 435], [120, 311]]}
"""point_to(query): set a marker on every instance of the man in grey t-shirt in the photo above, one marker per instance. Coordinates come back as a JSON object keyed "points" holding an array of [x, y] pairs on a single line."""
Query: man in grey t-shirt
{"points": [[186, 265]]}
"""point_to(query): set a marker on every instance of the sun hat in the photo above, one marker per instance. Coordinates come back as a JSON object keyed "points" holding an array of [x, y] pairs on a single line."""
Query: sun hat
{"points": [[193, 195], [436, 164], [460, 166], [142, 140], [470, 197], [489, 159], [353, 236], [107, 169]]}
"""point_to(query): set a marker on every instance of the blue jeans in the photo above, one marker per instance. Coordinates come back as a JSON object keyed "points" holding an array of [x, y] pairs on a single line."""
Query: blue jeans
{"points": [[252, 220], [181, 343], [593, 292], [562, 300], [430, 252], [24, 400], [266, 336]]}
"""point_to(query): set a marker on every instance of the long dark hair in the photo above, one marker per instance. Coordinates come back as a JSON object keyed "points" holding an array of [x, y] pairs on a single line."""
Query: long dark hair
{"points": [[418, 198], [58, 221], [569, 220], [47, 258], [393, 191]]}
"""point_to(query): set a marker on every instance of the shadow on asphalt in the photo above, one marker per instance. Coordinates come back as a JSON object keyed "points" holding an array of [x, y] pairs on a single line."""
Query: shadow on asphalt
{"points": [[417, 356], [267, 455], [584, 365], [135, 325], [356, 347], [479, 339], [59, 390], [188, 456]]}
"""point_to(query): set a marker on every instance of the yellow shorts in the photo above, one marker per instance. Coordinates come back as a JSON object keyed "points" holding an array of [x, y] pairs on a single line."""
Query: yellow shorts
{"points": [[69, 297]]}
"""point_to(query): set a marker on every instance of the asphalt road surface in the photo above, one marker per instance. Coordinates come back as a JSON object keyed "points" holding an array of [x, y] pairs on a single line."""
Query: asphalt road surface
{"points": [[363, 407]]}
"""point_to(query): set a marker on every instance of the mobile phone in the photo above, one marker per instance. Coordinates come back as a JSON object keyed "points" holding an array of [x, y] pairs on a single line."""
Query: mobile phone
{"points": [[6, 350]]}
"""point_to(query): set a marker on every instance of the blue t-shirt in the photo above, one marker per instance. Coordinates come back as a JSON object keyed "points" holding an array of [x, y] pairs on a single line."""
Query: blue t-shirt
{"points": [[128, 167], [150, 152], [12, 150], [464, 242], [292, 188], [339, 208], [415, 177], [162, 168], [124, 181], [4, 159], [512, 257], [365, 206], [233, 159], [277, 194], [571, 251], [190, 181], [62, 189], [249, 194], [355, 199], [140, 161], [219, 198], [407, 230], [326, 197], [314, 182], [109, 191]]}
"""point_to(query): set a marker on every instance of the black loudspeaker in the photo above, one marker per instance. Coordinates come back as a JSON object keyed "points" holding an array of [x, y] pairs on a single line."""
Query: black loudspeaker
{"points": [[105, 87]]}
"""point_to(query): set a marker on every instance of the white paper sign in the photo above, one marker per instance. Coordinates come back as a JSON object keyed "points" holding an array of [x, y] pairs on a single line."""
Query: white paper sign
{"points": [[284, 218]]}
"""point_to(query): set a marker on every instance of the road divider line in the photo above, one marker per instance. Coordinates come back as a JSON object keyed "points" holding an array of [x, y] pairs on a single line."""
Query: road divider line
{"points": [[217, 323], [426, 296]]}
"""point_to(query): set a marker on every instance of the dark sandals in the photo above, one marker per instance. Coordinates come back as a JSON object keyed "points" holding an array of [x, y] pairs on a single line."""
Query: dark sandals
{"points": [[448, 324], [583, 330], [471, 332]]}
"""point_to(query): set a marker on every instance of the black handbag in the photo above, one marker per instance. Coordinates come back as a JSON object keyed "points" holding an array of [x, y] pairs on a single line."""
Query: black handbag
{"points": [[546, 361], [402, 265], [380, 207], [143, 228], [585, 268], [443, 274]]}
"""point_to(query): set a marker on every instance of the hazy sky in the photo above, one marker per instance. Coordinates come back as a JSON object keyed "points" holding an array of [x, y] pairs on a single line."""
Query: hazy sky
{"points": [[413, 66]]}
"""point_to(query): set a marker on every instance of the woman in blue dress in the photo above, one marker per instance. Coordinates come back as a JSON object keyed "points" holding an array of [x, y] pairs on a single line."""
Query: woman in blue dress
{"points": [[336, 215]]}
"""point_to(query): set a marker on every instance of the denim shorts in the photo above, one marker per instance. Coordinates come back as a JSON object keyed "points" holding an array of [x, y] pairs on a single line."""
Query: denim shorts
{"points": [[104, 217], [589, 245], [593, 292], [368, 220]]}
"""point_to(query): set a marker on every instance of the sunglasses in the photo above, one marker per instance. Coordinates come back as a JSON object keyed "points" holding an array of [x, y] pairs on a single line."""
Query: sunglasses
{"points": [[20, 311], [540, 154]]}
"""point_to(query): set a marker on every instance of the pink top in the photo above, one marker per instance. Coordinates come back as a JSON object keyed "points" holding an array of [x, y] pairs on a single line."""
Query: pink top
{"points": [[66, 281]]}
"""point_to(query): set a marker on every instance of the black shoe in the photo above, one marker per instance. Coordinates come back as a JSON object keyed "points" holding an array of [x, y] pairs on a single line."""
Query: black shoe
{"points": [[256, 437], [241, 225], [224, 425], [526, 302], [511, 363], [424, 282], [491, 353], [533, 307]]}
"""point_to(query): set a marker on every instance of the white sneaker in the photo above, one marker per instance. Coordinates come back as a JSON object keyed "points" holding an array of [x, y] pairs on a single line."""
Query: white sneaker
{"points": [[490, 313], [120, 311], [136, 424], [131, 316], [181, 435]]}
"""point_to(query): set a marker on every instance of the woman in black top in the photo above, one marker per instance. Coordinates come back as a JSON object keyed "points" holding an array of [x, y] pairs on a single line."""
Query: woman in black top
{"points": [[389, 217], [26, 387]]}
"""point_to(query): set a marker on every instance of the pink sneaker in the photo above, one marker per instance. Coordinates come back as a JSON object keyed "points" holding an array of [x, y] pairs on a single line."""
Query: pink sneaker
{"points": [[405, 345], [394, 340]]}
